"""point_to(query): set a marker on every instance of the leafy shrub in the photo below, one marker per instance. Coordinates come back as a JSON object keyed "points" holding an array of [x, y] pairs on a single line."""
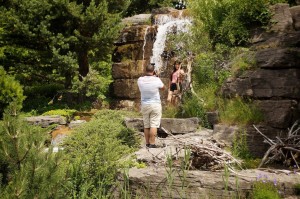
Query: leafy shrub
{"points": [[240, 149], [96, 152], [240, 146], [170, 112], [243, 61], [11, 92], [93, 85], [251, 163], [68, 113], [265, 190], [227, 21], [192, 107]]}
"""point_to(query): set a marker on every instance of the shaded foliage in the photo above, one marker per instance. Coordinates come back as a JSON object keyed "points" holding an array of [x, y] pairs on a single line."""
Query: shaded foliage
{"points": [[11, 92]]}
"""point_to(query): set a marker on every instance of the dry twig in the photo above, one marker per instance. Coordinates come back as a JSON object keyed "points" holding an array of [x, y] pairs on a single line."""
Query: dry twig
{"points": [[286, 149]]}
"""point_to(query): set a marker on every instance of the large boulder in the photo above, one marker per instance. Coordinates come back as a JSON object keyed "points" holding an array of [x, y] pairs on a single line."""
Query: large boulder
{"points": [[263, 83], [278, 58], [126, 88], [278, 113], [282, 18], [128, 70], [295, 11]]}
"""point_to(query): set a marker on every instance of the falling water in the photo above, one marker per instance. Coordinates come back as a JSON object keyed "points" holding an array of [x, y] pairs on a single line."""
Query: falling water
{"points": [[166, 24], [145, 41]]}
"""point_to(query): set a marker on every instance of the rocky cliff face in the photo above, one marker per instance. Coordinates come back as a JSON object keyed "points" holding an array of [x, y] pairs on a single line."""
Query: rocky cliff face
{"points": [[274, 83], [133, 52]]}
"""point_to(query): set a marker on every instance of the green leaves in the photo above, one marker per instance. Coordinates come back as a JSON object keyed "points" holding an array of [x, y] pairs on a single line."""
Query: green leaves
{"points": [[99, 147], [57, 40], [11, 92], [228, 21], [28, 170]]}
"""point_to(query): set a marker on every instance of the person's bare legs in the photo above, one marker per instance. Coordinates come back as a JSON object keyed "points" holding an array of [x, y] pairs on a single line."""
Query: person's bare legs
{"points": [[147, 135], [152, 133]]}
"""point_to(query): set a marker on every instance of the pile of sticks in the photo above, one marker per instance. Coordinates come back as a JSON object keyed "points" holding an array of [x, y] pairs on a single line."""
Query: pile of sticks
{"points": [[208, 155], [285, 150], [211, 157]]}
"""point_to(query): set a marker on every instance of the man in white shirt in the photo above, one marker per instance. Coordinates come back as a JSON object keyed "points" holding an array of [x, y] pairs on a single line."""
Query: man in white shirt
{"points": [[149, 86]]}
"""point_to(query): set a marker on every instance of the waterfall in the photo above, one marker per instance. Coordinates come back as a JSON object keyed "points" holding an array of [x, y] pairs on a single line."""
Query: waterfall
{"points": [[145, 41], [166, 24]]}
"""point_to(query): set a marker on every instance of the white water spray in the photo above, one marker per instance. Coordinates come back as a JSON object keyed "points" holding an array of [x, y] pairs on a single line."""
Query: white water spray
{"points": [[166, 24], [145, 41]]}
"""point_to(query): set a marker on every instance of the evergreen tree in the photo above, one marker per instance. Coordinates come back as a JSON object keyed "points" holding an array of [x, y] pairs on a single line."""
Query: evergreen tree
{"points": [[27, 170], [11, 92], [53, 40]]}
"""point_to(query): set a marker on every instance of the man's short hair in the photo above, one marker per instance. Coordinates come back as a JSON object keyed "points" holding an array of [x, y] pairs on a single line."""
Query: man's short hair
{"points": [[150, 68]]}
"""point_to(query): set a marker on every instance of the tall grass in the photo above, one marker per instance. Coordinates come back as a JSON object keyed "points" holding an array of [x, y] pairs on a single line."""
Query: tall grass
{"points": [[239, 111]]}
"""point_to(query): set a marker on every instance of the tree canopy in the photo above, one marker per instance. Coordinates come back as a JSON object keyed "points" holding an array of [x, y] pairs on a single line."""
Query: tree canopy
{"points": [[56, 40]]}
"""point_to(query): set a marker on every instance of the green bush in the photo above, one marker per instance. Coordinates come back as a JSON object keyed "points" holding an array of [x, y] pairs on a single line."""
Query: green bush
{"points": [[239, 111], [11, 92], [242, 62], [170, 111], [192, 107], [68, 113], [240, 145], [93, 85], [228, 22], [265, 190], [96, 152]]}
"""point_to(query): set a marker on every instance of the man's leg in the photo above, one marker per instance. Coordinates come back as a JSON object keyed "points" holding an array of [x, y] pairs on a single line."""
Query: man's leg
{"points": [[152, 135], [147, 135]]}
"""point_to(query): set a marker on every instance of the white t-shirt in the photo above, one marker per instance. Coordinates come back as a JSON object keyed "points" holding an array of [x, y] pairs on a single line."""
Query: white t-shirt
{"points": [[149, 87]]}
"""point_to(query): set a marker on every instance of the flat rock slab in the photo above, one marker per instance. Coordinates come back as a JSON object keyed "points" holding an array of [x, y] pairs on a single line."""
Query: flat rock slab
{"points": [[171, 146], [161, 182], [173, 125], [46, 120]]}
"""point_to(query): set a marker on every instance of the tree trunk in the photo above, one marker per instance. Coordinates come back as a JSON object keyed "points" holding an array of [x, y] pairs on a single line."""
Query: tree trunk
{"points": [[83, 64], [68, 80]]}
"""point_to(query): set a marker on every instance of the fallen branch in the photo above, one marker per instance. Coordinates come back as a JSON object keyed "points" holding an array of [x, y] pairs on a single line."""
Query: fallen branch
{"points": [[282, 146]]}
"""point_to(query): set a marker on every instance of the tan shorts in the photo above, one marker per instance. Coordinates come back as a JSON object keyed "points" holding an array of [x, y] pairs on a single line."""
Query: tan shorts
{"points": [[151, 115]]}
